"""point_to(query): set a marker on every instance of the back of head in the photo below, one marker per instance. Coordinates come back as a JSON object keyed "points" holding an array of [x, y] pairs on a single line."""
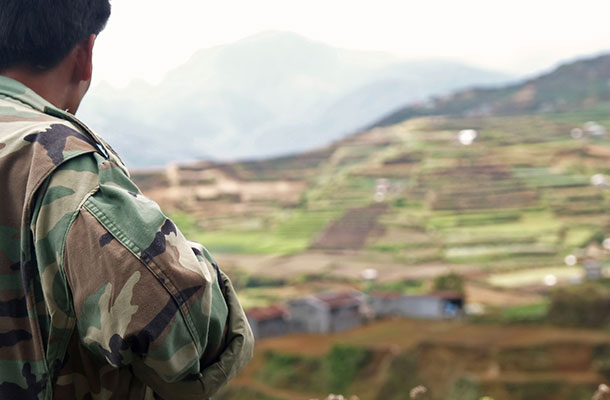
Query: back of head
{"points": [[39, 34]]}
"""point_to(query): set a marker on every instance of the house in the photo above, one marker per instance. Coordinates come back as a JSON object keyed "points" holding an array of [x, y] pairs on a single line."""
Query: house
{"points": [[328, 312], [593, 269], [592, 261], [452, 302], [437, 305], [268, 321]]}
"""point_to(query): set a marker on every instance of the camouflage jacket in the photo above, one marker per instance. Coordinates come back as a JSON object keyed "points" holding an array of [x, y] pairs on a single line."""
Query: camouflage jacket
{"points": [[101, 296]]}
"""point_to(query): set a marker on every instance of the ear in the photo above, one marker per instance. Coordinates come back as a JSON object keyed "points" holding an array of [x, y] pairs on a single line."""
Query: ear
{"points": [[83, 67]]}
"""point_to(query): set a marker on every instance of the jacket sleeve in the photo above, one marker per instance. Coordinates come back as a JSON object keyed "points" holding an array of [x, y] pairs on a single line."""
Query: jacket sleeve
{"points": [[147, 298]]}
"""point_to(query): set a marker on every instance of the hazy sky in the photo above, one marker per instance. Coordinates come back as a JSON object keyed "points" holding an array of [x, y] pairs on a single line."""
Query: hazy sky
{"points": [[147, 38]]}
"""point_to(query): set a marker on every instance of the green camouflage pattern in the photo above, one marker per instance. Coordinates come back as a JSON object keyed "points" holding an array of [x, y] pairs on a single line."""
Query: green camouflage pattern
{"points": [[101, 296]]}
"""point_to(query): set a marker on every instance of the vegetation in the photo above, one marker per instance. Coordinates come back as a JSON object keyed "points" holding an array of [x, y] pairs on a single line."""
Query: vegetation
{"points": [[334, 372], [465, 388], [584, 305], [409, 287], [344, 362], [533, 277], [242, 392], [567, 89], [529, 313], [452, 360], [292, 371], [412, 202], [526, 314], [403, 375], [452, 281], [289, 233]]}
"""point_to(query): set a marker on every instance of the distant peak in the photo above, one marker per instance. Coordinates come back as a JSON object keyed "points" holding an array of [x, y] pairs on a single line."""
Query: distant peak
{"points": [[274, 34], [272, 37]]}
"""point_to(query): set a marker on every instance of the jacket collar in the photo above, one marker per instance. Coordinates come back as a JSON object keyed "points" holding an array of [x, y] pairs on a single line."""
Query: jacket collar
{"points": [[18, 91]]}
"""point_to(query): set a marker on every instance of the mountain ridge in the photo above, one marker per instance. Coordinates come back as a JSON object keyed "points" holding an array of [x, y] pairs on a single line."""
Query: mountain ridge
{"points": [[267, 95], [569, 86]]}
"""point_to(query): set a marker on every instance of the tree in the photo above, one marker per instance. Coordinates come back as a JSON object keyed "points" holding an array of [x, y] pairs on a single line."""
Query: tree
{"points": [[451, 281]]}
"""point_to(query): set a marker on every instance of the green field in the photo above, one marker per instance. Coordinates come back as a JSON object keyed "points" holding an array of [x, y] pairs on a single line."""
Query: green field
{"points": [[289, 232], [520, 197], [409, 200], [534, 276]]}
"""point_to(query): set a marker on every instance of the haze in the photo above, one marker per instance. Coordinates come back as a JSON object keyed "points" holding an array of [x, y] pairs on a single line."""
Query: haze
{"points": [[145, 38]]}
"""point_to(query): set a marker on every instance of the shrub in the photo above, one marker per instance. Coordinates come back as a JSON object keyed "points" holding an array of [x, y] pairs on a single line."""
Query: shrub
{"points": [[450, 281], [586, 305], [254, 281], [402, 375], [343, 364], [242, 393], [293, 371], [333, 373], [465, 388]]}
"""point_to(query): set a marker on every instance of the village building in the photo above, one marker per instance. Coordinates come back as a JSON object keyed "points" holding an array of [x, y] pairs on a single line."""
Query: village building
{"points": [[328, 312], [592, 261], [437, 305], [268, 321], [593, 269]]}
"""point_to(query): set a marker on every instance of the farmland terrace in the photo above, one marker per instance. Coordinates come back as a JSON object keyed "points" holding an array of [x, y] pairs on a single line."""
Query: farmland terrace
{"points": [[452, 359], [408, 197], [414, 203]]}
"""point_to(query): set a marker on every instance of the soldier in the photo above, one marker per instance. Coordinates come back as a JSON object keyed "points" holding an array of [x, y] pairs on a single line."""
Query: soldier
{"points": [[101, 296]]}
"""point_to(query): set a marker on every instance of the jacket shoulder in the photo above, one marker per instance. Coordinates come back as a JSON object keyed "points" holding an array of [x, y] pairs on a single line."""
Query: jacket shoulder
{"points": [[46, 140]]}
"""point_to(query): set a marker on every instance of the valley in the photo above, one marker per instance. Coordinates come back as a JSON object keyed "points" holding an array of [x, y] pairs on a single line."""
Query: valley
{"points": [[408, 200], [513, 206], [453, 360]]}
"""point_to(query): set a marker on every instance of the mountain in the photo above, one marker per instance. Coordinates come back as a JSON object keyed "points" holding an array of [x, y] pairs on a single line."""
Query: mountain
{"points": [[572, 86], [414, 202], [270, 94]]}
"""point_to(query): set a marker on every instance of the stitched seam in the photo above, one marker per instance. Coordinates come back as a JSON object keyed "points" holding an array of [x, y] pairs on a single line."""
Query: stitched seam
{"points": [[163, 278], [71, 322], [65, 340], [183, 308]]}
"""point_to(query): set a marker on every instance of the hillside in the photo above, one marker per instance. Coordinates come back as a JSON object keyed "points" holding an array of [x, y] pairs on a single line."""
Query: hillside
{"points": [[457, 361], [499, 199], [579, 85], [409, 200], [273, 93]]}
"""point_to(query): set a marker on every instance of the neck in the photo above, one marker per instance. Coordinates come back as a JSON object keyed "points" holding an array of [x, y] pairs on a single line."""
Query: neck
{"points": [[52, 85]]}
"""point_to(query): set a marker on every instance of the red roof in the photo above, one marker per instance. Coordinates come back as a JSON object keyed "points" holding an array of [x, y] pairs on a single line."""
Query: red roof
{"points": [[447, 295], [339, 299], [441, 294], [387, 295], [266, 313]]}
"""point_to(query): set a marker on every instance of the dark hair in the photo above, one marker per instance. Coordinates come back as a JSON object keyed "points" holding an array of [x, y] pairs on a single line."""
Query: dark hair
{"points": [[41, 33]]}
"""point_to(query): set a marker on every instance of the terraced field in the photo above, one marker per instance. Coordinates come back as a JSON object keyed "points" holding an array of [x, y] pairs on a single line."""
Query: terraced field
{"points": [[409, 200], [453, 360], [507, 187]]}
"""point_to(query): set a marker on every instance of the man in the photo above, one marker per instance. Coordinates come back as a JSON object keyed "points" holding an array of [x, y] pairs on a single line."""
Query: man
{"points": [[100, 294]]}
